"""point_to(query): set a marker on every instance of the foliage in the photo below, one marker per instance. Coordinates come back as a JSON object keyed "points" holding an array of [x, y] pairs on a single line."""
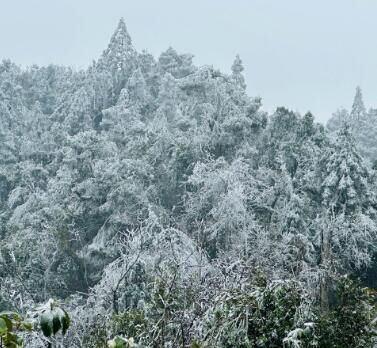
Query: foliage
{"points": [[131, 323], [350, 322], [10, 325], [50, 319], [258, 317], [151, 194], [120, 342], [53, 319]]}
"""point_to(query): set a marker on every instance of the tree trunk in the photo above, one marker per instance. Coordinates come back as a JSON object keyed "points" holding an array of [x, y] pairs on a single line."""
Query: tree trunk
{"points": [[115, 303], [324, 293]]}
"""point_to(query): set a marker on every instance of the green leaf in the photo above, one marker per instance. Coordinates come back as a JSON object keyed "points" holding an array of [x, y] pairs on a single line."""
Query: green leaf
{"points": [[65, 322], [11, 316], [195, 344], [56, 323], [3, 327], [8, 322], [20, 341], [46, 323], [117, 342], [120, 342], [54, 319], [28, 326], [12, 340]]}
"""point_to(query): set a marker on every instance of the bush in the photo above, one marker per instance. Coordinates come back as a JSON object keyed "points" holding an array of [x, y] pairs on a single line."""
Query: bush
{"points": [[260, 317], [348, 323]]}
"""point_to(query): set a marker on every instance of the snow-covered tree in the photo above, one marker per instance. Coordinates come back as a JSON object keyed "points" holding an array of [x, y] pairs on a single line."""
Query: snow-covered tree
{"points": [[120, 53], [345, 227], [160, 202], [358, 110], [237, 69]]}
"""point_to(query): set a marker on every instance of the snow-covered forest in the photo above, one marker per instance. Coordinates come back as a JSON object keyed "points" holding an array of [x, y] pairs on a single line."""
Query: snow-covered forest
{"points": [[160, 206]]}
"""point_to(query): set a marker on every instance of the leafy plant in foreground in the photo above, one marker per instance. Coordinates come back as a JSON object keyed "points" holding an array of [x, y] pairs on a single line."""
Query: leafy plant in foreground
{"points": [[11, 324]]}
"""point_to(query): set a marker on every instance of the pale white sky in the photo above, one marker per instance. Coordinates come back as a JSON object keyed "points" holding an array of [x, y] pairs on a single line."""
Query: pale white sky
{"points": [[303, 54]]}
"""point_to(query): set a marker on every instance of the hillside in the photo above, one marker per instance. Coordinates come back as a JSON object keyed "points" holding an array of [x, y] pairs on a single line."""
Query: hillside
{"points": [[154, 197]]}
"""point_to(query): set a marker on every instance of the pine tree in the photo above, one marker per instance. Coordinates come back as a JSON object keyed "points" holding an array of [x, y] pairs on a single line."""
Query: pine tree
{"points": [[237, 69], [345, 184], [120, 52], [119, 60], [358, 111], [346, 224], [362, 124]]}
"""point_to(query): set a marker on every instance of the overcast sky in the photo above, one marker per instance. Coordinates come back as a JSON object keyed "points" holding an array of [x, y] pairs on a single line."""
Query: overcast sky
{"points": [[306, 55]]}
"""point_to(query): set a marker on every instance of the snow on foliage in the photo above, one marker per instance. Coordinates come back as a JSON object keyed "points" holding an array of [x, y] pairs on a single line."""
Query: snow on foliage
{"points": [[163, 204]]}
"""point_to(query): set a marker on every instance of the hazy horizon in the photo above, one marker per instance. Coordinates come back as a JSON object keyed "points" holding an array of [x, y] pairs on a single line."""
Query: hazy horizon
{"points": [[307, 57]]}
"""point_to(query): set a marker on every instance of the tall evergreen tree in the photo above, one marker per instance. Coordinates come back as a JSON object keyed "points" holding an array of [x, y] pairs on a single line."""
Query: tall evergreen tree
{"points": [[237, 69], [119, 59], [358, 111], [120, 52], [346, 224]]}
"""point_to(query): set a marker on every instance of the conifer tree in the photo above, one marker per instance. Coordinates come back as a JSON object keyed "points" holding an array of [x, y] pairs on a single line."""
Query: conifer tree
{"points": [[237, 69], [358, 111], [346, 226], [119, 59], [120, 52]]}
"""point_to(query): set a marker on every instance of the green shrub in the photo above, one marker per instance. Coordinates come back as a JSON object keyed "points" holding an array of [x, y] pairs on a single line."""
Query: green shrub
{"points": [[349, 322]]}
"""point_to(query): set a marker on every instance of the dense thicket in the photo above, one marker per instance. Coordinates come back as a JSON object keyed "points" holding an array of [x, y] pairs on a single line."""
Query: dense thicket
{"points": [[160, 202]]}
